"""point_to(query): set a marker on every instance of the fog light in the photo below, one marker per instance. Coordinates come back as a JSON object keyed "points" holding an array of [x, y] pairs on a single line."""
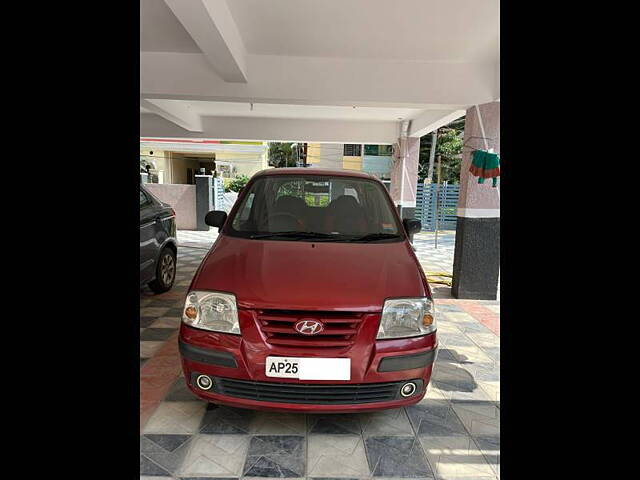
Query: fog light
{"points": [[408, 389], [204, 382]]}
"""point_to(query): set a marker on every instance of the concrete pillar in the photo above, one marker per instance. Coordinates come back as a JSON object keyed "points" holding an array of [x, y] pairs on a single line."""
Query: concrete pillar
{"points": [[404, 176], [476, 261], [204, 200]]}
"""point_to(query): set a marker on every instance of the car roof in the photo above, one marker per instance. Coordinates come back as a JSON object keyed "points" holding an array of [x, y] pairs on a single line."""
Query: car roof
{"points": [[325, 172]]}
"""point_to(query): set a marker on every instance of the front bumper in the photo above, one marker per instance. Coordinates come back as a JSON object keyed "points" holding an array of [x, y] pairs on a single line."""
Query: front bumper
{"points": [[237, 367]]}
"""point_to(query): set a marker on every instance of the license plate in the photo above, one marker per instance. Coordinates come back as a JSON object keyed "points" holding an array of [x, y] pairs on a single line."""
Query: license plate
{"points": [[304, 368]]}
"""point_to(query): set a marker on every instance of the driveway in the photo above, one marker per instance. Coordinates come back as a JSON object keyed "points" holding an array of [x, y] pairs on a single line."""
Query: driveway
{"points": [[453, 433]]}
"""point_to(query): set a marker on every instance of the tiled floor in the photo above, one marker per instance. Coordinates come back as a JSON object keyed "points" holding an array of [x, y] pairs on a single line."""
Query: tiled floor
{"points": [[454, 433]]}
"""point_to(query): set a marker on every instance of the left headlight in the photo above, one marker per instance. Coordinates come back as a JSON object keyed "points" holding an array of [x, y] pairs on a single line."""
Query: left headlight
{"points": [[407, 317], [213, 311]]}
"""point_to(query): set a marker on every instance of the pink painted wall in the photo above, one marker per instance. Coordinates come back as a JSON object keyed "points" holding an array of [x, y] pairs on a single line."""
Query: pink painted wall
{"points": [[183, 200], [473, 194]]}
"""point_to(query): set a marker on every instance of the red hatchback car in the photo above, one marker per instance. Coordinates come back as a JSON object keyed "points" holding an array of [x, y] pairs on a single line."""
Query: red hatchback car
{"points": [[311, 299]]}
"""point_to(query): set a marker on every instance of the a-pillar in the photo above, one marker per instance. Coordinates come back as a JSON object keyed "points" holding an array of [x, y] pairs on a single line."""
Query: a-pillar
{"points": [[476, 261], [404, 176]]}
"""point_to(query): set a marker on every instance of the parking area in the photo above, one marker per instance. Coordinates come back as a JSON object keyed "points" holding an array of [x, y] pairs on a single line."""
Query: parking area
{"points": [[452, 433]]}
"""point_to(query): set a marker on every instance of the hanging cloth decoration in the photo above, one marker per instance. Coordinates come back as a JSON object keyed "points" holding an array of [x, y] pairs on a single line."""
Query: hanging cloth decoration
{"points": [[485, 165]]}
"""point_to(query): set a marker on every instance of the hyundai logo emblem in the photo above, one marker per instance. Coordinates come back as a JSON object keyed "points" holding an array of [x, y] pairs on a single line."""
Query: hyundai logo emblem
{"points": [[308, 327]]}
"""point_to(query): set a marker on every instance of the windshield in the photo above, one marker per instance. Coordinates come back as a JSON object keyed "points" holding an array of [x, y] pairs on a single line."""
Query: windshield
{"points": [[315, 208]]}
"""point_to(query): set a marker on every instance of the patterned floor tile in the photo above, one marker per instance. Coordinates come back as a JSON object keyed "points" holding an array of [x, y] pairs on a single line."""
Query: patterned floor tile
{"points": [[433, 417], [148, 349], [337, 456], [456, 457], [147, 321], [215, 456], [387, 422], [176, 417], [220, 419], [149, 467], [397, 457], [270, 423], [280, 456], [479, 418], [453, 377], [180, 392], [156, 334], [153, 311], [166, 451], [166, 322], [489, 445], [334, 424]]}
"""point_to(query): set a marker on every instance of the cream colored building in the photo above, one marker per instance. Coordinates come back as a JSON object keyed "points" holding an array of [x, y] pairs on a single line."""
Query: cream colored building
{"points": [[176, 161]]}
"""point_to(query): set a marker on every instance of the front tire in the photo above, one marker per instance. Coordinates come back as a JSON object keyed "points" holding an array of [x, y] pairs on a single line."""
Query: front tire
{"points": [[165, 271]]}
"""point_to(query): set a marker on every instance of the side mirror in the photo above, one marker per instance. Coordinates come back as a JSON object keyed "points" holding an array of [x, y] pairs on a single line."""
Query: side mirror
{"points": [[216, 218], [412, 226]]}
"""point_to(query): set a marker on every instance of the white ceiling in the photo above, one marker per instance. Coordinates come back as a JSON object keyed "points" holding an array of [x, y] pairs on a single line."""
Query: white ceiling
{"points": [[160, 30], [326, 112], [425, 30], [203, 62]]}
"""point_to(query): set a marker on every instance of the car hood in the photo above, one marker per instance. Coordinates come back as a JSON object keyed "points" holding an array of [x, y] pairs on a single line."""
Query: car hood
{"points": [[301, 275]]}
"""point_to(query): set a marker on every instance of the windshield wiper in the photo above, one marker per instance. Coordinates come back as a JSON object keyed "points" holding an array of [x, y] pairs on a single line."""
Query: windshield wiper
{"points": [[372, 237], [295, 234]]}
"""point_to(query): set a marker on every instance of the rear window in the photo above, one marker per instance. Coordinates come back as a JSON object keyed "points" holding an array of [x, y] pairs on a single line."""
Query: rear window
{"points": [[292, 207]]}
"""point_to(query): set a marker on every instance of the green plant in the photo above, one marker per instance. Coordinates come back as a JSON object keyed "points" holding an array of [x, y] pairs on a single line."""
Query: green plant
{"points": [[281, 155], [235, 184], [449, 145]]}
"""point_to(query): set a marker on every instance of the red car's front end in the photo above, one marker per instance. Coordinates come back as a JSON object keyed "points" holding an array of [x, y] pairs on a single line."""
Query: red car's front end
{"points": [[308, 334]]}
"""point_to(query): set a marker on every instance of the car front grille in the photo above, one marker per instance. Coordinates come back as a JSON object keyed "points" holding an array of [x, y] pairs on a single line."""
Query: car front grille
{"points": [[308, 393], [340, 328]]}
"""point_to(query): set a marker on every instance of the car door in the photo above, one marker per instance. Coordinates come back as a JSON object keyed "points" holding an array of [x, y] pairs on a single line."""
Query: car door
{"points": [[148, 243]]}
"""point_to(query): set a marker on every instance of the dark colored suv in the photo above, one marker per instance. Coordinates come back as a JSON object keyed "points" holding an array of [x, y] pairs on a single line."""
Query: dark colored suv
{"points": [[311, 299], [158, 244]]}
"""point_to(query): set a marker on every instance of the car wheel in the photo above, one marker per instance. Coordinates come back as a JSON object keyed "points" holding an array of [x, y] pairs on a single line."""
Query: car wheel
{"points": [[165, 271]]}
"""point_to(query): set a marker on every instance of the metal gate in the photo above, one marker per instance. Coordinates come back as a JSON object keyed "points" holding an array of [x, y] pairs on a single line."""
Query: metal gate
{"points": [[218, 193], [426, 206]]}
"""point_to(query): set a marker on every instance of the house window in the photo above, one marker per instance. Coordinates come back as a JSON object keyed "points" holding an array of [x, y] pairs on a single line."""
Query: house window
{"points": [[352, 150]]}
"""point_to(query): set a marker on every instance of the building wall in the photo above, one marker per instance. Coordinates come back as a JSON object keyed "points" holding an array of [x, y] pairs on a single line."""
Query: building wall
{"points": [[379, 165], [182, 199], [161, 159], [244, 163], [179, 166], [325, 155], [352, 163]]}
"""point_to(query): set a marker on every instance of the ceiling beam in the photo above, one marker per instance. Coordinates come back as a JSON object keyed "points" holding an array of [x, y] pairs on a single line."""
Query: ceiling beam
{"points": [[275, 129], [433, 119], [175, 112], [212, 27], [320, 81]]}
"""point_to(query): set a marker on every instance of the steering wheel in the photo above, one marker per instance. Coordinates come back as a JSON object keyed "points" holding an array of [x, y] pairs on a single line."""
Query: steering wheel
{"points": [[284, 217]]}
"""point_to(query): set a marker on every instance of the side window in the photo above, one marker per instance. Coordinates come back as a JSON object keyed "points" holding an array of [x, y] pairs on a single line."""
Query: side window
{"points": [[246, 209], [144, 200]]}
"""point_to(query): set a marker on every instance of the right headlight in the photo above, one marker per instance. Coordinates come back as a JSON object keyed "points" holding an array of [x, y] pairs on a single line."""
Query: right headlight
{"points": [[407, 317], [215, 311]]}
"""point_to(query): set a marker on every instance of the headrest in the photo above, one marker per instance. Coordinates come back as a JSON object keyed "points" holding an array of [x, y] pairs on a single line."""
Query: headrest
{"points": [[344, 202], [289, 203]]}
